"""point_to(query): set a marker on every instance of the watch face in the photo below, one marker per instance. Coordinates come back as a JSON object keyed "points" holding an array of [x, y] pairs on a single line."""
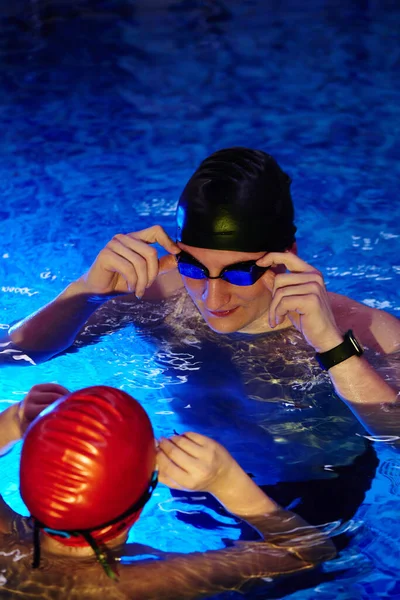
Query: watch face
{"points": [[359, 349]]}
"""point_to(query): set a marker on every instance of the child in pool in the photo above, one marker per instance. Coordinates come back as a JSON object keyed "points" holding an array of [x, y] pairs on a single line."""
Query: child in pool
{"points": [[88, 466]]}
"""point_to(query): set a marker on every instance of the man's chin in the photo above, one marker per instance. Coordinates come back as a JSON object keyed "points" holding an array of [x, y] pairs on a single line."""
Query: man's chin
{"points": [[223, 325]]}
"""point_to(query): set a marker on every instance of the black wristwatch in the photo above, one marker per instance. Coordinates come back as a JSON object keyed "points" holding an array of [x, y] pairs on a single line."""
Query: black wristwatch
{"points": [[349, 347]]}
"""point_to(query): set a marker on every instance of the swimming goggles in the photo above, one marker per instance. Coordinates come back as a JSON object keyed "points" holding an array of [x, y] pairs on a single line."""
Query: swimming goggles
{"points": [[102, 554], [241, 273]]}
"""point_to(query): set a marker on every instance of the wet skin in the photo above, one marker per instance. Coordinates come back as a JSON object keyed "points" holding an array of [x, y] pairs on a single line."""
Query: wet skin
{"points": [[225, 307]]}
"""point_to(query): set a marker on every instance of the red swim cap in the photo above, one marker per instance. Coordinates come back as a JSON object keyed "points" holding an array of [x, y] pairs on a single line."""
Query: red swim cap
{"points": [[86, 460]]}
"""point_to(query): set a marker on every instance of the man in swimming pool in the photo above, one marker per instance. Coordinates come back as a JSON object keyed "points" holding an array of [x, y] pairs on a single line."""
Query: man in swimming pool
{"points": [[88, 466], [236, 257]]}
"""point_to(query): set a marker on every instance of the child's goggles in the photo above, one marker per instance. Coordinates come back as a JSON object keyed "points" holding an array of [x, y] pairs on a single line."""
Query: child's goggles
{"points": [[99, 549]]}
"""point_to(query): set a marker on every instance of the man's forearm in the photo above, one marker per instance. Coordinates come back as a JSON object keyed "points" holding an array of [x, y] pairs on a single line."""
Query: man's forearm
{"points": [[371, 399], [54, 327]]}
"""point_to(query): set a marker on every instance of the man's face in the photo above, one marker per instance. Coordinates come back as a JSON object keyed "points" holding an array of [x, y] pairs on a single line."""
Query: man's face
{"points": [[225, 307]]}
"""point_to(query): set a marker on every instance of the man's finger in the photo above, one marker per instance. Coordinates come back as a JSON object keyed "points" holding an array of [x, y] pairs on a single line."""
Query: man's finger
{"points": [[303, 294], [284, 280], [300, 304], [157, 235], [138, 253], [135, 253], [291, 261]]}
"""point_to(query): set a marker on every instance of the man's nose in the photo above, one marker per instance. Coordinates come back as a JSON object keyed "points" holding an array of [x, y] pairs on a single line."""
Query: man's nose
{"points": [[216, 294]]}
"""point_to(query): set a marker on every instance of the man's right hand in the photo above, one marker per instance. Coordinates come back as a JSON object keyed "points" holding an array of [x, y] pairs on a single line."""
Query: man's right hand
{"points": [[129, 264]]}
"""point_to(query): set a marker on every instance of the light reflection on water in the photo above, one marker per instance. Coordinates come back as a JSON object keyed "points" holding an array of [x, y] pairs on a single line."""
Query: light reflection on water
{"points": [[300, 432]]}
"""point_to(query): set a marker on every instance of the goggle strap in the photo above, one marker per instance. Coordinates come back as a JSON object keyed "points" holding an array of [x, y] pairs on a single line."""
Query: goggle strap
{"points": [[102, 556], [36, 545], [101, 552]]}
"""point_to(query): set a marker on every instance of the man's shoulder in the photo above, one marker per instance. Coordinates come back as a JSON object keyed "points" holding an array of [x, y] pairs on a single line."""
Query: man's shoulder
{"points": [[377, 329]]}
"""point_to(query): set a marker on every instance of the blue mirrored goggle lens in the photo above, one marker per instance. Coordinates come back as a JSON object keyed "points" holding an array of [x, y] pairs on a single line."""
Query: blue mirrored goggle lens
{"points": [[239, 277], [247, 275], [189, 270]]}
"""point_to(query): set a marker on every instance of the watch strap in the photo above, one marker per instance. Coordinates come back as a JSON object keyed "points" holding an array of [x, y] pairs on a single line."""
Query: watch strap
{"points": [[349, 347]]}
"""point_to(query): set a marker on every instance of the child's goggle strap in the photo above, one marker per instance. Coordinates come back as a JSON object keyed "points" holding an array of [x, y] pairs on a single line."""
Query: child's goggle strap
{"points": [[241, 273], [101, 553]]}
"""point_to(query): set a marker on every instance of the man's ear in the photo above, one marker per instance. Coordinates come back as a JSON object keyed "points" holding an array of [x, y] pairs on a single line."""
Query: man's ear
{"points": [[293, 249]]}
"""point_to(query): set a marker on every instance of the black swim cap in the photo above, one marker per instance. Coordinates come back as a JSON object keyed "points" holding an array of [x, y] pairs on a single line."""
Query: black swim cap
{"points": [[238, 199]]}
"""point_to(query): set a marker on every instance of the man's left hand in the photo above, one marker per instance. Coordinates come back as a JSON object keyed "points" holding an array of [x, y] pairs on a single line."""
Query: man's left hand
{"points": [[300, 295]]}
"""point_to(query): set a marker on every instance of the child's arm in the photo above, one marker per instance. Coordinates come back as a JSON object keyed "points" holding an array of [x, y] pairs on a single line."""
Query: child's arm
{"points": [[195, 462], [14, 421], [202, 574], [9, 434], [10, 428]]}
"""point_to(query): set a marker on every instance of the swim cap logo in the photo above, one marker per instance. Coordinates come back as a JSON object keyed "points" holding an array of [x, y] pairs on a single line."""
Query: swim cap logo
{"points": [[223, 222]]}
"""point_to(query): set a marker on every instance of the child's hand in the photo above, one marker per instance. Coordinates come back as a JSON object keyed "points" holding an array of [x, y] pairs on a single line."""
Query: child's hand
{"points": [[38, 398], [194, 462]]}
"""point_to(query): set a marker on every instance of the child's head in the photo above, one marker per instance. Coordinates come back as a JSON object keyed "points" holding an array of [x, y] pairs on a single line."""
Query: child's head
{"points": [[87, 466]]}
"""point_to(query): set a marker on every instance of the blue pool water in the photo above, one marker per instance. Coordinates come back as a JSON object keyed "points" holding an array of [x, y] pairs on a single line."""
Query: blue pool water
{"points": [[106, 108]]}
